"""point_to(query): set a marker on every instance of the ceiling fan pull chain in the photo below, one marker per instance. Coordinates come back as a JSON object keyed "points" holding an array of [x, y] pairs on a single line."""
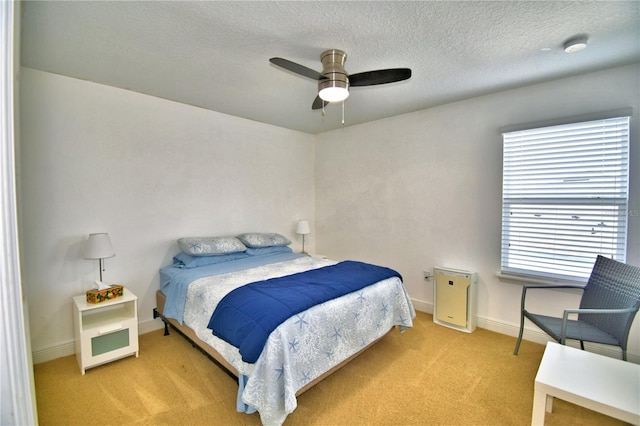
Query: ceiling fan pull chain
{"points": [[343, 113], [323, 108]]}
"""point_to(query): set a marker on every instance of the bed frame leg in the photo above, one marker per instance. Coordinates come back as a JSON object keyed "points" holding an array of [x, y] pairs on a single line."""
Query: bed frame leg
{"points": [[156, 314]]}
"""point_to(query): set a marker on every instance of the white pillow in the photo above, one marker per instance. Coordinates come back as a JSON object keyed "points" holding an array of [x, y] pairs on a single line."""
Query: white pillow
{"points": [[210, 246], [263, 239]]}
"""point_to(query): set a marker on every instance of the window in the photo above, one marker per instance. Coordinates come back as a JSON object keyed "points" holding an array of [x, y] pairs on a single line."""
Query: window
{"points": [[564, 198]]}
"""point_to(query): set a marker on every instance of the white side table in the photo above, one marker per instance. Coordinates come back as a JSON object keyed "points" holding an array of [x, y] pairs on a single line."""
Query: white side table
{"points": [[105, 331], [599, 383]]}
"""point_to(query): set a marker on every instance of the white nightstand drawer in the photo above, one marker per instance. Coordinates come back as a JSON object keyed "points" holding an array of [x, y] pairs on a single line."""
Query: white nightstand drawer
{"points": [[109, 338], [109, 347], [108, 342]]}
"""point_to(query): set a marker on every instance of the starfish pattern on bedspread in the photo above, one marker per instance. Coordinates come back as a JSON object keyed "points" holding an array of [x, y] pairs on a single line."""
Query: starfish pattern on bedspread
{"points": [[385, 308], [402, 320], [305, 378], [293, 345], [280, 372], [300, 319], [336, 333]]}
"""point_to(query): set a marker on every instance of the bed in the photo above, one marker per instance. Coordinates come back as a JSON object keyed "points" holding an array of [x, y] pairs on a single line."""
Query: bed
{"points": [[210, 273]]}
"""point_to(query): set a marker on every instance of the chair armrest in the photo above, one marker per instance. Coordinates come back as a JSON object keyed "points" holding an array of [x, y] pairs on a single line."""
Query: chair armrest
{"points": [[540, 286], [554, 286], [567, 312]]}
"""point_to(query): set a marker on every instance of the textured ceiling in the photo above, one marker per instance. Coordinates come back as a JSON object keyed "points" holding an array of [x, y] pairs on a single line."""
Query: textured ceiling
{"points": [[215, 54]]}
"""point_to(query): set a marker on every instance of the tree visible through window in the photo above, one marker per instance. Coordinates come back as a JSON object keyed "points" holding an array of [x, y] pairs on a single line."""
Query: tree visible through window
{"points": [[564, 197]]}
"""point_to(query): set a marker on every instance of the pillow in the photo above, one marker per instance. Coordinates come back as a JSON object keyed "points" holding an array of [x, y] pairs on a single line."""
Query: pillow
{"points": [[210, 246], [258, 251], [183, 260], [263, 239]]}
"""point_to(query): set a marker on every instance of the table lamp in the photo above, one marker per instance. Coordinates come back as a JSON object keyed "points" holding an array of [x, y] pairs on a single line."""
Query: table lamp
{"points": [[99, 247], [303, 229]]}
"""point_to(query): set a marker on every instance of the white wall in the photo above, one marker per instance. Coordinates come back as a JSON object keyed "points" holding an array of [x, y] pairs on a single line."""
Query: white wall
{"points": [[147, 171], [424, 189]]}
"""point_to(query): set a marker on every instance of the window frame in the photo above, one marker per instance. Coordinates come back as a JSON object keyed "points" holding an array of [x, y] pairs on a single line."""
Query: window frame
{"points": [[512, 269]]}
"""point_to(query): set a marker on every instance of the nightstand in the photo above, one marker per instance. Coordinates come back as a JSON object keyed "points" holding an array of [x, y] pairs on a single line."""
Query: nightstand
{"points": [[105, 331]]}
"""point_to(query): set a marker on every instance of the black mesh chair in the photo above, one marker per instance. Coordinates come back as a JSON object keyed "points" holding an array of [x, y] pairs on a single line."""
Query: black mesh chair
{"points": [[608, 306]]}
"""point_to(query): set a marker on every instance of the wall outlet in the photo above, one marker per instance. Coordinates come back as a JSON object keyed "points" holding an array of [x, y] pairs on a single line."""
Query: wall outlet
{"points": [[428, 274]]}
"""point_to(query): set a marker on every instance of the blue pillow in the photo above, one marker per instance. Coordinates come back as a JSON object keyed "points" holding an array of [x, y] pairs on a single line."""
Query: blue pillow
{"points": [[183, 260], [268, 250], [210, 246]]}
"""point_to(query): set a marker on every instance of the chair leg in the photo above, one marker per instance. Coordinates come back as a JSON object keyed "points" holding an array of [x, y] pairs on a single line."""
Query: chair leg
{"points": [[515, 352], [582, 345]]}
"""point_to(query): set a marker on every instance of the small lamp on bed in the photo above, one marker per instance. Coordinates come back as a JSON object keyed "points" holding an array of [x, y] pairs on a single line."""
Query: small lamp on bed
{"points": [[99, 247], [303, 229]]}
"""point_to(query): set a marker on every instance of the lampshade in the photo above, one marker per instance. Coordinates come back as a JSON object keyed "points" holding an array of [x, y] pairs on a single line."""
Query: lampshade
{"points": [[303, 227], [99, 247]]}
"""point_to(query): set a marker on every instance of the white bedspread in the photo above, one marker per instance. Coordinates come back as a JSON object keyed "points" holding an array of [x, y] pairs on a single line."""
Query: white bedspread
{"points": [[306, 345]]}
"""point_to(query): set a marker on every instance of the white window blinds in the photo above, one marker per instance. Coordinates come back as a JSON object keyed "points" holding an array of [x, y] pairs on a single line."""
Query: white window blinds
{"points": [[564, 197]]}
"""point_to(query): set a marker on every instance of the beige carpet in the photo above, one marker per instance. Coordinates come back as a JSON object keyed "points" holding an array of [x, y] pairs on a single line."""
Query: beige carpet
{"points": [[427, 375]]}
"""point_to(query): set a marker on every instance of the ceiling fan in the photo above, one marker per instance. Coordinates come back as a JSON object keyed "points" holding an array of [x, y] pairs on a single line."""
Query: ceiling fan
{"points": [[334, 82]]}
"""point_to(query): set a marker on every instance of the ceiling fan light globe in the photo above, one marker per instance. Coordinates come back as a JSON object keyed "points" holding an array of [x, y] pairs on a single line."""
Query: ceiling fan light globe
{"points": [[334, 94]]}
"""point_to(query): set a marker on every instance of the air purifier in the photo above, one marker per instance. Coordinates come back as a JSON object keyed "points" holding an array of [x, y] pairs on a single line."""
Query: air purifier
{"points": [[455, 299]]}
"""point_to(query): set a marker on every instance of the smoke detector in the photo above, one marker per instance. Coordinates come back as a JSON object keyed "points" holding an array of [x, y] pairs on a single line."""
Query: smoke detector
{"points": [[575, 44]]}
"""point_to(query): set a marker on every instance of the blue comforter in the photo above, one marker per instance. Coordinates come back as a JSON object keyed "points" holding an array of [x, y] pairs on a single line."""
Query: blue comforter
{"points": [[246, 316]]}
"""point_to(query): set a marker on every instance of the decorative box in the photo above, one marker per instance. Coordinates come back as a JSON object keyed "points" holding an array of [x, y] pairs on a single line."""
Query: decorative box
{"points": [[97, 296]]}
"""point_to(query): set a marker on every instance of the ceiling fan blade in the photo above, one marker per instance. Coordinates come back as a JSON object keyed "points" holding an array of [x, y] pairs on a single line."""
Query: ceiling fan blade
{"points": [[371, 78], [297, 68], [317, 103]]}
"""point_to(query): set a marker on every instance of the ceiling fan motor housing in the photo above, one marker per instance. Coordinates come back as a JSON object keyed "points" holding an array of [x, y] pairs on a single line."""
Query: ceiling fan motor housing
{"points": [[333, 69]]}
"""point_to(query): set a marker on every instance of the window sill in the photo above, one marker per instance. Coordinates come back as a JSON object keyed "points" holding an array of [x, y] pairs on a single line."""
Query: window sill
{"points": [[531, 279]]}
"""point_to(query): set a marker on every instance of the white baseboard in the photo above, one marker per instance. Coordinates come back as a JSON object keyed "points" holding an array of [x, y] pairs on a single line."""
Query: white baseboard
{"points": [[421, 306], [150, 325], [53, 352], [536, 336]]}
